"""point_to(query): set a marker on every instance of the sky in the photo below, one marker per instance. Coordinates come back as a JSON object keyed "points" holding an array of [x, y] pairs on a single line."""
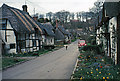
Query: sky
{"points": [[44, 6]]}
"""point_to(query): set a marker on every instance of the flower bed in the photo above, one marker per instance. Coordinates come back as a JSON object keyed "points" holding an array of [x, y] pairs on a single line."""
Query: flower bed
{"points": [[95, 67]]}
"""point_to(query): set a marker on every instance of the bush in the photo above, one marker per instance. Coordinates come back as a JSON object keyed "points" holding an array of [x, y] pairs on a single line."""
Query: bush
{"points": [[92, 40], [94, 48]]}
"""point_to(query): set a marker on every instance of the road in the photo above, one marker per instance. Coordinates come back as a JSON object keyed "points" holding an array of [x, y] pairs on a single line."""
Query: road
{"points": [[56, 65]]}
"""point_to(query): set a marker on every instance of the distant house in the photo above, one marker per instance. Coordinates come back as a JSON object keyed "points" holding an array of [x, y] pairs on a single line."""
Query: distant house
{"points": [[108, 30], [49, 35], [67, 37], [20, 33], [59, 36]]}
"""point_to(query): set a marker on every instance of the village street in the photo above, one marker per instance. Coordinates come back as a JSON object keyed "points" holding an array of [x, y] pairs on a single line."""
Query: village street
{"points": [[56, 65]]}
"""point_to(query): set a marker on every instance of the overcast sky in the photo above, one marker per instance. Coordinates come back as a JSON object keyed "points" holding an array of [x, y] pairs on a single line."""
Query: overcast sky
{"points": [[43, 6]]}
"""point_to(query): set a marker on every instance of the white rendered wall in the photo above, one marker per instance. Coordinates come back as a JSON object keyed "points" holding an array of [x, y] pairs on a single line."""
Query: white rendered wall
{"points": [[112, 27]]}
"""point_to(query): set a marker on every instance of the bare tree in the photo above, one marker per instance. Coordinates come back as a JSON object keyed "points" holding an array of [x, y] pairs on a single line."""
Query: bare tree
{"points": [[41, 16], [72, 15], [49, 15], [62, 16], [79, 15], [98, 5]]}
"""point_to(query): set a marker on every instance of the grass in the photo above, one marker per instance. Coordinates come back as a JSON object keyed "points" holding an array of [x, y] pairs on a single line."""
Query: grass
{"points": [[94, 67], [30, 54], [10, 61]]}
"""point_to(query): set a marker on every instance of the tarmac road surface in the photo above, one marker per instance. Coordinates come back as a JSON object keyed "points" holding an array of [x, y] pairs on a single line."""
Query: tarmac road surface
{"points": [[56, 65]]}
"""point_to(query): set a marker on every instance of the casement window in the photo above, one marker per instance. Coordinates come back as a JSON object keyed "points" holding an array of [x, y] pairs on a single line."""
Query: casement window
{"points": [[34, 43], [27, 36], [22, 44], [51, 40], [68, 37], [12, 46], [45, 40]]}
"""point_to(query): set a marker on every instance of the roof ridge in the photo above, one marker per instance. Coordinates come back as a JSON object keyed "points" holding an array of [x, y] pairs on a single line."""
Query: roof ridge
{"points": [[25, 20], [20, 18], [34, 23]]}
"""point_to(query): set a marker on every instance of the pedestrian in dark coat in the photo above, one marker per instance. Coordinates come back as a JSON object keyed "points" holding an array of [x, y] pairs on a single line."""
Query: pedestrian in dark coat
{"points": [[66, 47]]}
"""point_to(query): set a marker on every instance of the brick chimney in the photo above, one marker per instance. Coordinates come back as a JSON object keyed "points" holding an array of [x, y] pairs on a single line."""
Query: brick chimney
{"points": [[56, 24], [24, 8]]}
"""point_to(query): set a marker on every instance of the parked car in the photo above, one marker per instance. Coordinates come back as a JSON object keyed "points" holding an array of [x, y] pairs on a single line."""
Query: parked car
{"points": [[81, 43]]}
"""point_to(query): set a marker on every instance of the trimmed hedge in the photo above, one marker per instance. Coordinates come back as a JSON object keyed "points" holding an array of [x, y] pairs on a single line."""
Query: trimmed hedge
{"points": [[95, 48]]}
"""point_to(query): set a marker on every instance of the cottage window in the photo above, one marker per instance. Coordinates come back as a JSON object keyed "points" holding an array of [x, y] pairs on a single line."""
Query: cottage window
{"points": [[51, 40], [34, 43], [22, 44], [27, 36], [12, 46], [68, 37], [45, 40]]}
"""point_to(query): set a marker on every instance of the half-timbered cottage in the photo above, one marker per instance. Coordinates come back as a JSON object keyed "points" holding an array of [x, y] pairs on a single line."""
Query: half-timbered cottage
{"points": [[19, 31], [48, 35], [67, 38], [59, 36], [112, 10], [108, 30]]}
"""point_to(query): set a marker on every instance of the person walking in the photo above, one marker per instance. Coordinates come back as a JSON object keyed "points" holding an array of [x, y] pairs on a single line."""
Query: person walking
{"points": [[66, 47]]}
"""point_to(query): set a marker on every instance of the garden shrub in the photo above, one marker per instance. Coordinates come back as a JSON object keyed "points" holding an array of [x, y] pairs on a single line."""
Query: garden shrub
{"points": [[92, 40], [94, 48]]}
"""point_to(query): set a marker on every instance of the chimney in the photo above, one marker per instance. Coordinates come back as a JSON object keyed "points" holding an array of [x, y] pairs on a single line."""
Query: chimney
{"points": [[56, 24], [24, 8], [35, 18]]}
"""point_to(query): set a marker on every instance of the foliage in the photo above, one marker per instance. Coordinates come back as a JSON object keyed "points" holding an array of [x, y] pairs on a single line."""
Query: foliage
{"points": [[95, 48], [49, 15], [97, 6], [29, 54], [93, 67], [92, 40], [73, 40], [42, 20], [10, 61]]}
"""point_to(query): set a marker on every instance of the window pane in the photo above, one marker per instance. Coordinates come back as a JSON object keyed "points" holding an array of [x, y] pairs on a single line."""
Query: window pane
{"points": [[12, 46], [34, 42]]}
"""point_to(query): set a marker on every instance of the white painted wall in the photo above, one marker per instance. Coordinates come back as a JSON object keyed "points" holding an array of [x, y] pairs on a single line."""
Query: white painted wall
{"points": [[98, 41], [11, 38], [66, 38], [27, 45], [30, 41], [43, 38], [49, 40], [112, 27], [37, 44]]}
